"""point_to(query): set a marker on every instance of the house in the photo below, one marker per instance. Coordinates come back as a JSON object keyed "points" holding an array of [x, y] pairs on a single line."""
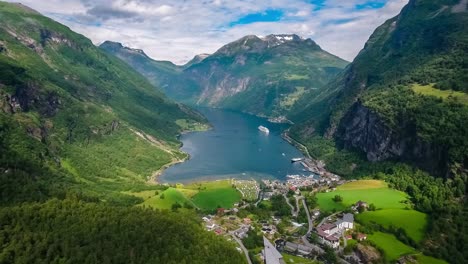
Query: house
{"points": [[361, 204], [247, 221], [361, 237], [347, 222], [220, 211], [329, 228], [271, 254], [328, 236]]}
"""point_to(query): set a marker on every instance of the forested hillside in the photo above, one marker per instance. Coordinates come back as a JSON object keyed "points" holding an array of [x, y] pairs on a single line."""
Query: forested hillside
{"points": [[263, 76], [404, 97], [78, 129], [404, 100]]}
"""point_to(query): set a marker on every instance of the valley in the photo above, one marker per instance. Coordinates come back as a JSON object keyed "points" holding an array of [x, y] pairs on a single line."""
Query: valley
{"points": [[268, 149]]}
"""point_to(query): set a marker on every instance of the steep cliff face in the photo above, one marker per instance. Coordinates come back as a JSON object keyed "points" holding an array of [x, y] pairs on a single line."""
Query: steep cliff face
{"points": [[424, 46], [362, 128]]}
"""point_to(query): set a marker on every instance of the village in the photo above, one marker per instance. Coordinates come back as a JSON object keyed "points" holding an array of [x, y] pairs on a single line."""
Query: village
{"points": [[302, 231]]}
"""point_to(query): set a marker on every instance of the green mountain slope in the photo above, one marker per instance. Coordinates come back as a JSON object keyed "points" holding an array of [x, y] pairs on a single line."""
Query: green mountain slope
{"points": [[82, 128], [377, 105], [163, 74], [263, 76], [403, 100]]}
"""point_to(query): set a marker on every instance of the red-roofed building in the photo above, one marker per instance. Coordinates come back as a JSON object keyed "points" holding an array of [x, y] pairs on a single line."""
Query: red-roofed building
{"points": [[220, 211]]}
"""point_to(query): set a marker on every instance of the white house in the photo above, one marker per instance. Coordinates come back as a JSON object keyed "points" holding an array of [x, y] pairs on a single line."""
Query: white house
{"points": [[347, 222]]}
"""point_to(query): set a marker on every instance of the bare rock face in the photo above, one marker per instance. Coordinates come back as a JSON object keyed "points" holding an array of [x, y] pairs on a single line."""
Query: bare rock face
{"points": [[365, 130], [368, 254]]}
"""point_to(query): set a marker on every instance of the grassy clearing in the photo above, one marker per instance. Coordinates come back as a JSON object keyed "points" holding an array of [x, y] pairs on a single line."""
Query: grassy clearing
{"points": [[213, 194], [391, 246], [171, 196], [399, 218], [422, 259], [190, 125], [290, 259], [444, 94], [291, 98], [390, 204], [363, 185], [375, 192]]}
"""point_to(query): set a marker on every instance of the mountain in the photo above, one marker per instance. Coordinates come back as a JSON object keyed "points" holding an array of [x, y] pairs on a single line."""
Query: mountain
{"points": [[80, 133], [403, 100], [197, 59], [404, 97], [263, 76], [163, 74], [260, 75]]}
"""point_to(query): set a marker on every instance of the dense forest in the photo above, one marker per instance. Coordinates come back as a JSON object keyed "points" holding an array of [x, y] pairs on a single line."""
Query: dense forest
{"points": [[79, 131]]}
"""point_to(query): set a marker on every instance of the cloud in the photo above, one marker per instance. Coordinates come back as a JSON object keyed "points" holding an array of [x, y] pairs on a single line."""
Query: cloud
{"points": [[178, 30]]}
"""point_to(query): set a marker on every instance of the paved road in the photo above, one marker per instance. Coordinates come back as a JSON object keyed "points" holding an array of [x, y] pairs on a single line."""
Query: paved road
{"points": [[246, 252], [293, 212], [311, 226]]}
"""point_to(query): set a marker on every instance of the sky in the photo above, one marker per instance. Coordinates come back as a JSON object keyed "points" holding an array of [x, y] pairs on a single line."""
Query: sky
{"points": [[177, 30]]}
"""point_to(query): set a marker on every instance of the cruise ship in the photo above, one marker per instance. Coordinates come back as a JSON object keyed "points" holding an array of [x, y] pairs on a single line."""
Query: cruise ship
{"points": [[264, 129], [296, 159]]}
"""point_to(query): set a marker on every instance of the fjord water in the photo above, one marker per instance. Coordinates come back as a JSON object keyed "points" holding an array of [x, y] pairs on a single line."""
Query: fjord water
{"points": [[234, 148]]}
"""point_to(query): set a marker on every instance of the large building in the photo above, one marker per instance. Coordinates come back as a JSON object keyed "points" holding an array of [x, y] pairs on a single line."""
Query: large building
{"points": [[347, 222], [270, 254]]}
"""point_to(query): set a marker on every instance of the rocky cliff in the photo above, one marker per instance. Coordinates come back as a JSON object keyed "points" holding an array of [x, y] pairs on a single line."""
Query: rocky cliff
{"points": [[362, 128]]}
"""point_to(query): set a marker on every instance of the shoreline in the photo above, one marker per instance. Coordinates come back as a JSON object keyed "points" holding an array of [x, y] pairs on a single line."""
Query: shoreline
{"points": [[296, 144], [154, 179]]}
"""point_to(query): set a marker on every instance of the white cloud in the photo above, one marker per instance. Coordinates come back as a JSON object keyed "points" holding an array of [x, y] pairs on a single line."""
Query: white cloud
{"points": [[178, 30]]}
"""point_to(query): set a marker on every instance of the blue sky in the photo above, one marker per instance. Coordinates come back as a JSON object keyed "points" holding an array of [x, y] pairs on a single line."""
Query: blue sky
{"points": [[177, 30]]}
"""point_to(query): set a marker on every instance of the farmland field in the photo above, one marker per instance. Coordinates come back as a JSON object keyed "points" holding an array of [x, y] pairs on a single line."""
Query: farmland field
{"points": [[370, 191], [399, 218], [165, 199], [213, 194], [391, 246]]}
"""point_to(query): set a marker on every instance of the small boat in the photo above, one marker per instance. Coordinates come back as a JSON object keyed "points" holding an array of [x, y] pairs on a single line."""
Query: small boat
{"points": [[283, 154], [296, 159]]}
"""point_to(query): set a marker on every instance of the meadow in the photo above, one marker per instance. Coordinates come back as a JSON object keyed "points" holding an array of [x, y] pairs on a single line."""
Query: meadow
{"points": [[392, 247], [392, 209], [212, 195], [412, 221], [370, 191], [444, 94], [202, 195]]}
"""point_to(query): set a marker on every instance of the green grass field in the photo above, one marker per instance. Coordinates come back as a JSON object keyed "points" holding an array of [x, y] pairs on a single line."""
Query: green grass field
{"points": [[213, 194], [422, 259], [444, 94], [413, 222], [203, 195], [390, 209], [171, 196], [391, 246], [290, 259], [370, 191]]}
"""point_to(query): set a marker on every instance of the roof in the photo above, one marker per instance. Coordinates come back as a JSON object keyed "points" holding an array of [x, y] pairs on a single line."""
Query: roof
{"points": [[348, 218], [272, 256], [327, 226]]}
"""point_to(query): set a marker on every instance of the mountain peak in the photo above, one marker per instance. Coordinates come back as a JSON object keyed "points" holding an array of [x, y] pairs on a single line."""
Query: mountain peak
{"points": [[115, 46]]}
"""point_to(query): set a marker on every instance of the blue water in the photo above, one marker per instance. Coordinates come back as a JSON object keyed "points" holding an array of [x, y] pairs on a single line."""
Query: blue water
{"points": [[234, 148]]}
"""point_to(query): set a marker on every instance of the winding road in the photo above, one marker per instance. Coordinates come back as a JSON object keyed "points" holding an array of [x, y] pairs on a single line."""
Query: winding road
{"points": [[246, 252]]}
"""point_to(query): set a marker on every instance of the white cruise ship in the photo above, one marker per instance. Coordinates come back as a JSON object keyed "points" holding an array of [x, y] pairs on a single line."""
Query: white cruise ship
{"points": [[264, 129]]}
